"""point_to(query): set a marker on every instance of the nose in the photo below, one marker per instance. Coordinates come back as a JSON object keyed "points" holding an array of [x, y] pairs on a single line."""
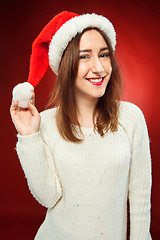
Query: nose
{"points": [[97, 66]]}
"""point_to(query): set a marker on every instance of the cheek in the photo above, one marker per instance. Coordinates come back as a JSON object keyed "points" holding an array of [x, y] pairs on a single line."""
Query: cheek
{"points": [[109, 68], [82, 69]]}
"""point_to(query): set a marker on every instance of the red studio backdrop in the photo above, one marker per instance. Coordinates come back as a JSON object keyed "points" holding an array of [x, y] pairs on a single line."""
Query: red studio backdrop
{"points": [[137, 26]]}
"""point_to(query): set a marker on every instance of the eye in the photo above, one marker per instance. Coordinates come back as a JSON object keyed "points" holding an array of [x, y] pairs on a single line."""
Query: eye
{"points": [[83, 57], [105, 55]]}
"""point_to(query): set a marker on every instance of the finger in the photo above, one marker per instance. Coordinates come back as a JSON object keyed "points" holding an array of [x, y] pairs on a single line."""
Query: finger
{"points": [[20, 109], [14, 108], [17, 107], [33, 109], [33, 98]]}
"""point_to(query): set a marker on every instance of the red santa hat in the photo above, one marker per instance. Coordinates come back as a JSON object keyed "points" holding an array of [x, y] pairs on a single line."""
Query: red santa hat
{"points": [[48, 47]]}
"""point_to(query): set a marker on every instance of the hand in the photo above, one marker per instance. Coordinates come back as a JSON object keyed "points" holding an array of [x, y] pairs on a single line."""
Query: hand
{"points": [[26, 120]]}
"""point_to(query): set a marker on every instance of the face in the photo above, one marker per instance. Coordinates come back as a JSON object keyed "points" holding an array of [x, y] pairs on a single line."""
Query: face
{"points": [[94, 69]]}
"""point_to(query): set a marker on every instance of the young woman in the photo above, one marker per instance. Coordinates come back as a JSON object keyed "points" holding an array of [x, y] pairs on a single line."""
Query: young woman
{"points": [[84, 157]]}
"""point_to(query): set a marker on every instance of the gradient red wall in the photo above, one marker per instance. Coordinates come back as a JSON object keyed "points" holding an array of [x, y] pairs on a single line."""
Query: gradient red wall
{"points": [[137, 26]]}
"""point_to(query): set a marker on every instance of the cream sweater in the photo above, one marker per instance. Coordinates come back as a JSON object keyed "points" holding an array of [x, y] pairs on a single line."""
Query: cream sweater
{"points": [[85, 186]]}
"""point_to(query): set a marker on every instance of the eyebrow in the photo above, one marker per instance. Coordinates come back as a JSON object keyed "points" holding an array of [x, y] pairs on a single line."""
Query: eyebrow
{"points": [[89, 50]]}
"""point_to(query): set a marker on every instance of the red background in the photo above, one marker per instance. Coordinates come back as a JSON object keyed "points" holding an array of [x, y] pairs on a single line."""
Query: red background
{"points": [[137, 26]]}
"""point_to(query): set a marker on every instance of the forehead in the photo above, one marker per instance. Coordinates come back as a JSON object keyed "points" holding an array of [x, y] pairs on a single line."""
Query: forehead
{"points": [[92, 39]]}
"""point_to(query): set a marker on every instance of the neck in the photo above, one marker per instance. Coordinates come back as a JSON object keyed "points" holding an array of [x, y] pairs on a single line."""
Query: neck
{"points": [[85, 110]]}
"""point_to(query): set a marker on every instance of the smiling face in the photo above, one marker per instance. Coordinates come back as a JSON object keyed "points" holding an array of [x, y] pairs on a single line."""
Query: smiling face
{"points": [[94, 68]]}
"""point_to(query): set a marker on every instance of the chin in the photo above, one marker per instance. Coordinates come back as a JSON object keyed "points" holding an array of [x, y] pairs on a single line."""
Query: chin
{"points": [[98, 96], [101, 94]]}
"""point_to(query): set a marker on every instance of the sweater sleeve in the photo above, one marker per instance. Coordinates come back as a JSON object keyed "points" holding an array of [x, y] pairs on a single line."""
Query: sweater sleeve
{"points": [[140, 182], [38, 165]]}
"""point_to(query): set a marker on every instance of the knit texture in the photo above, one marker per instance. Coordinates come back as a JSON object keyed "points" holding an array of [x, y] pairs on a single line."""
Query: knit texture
{"points": [[85, 185]]}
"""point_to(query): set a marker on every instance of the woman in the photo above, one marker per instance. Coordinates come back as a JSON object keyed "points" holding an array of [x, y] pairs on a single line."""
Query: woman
{"points": [[85, 157]]}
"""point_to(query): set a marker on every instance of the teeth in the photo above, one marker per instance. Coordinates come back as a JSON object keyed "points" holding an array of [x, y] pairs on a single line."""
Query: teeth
{"points": [[95, 80]]}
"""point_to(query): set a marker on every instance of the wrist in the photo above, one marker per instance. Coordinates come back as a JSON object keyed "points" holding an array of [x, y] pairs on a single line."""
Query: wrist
{"points": [[23, 134], [29, 139]]}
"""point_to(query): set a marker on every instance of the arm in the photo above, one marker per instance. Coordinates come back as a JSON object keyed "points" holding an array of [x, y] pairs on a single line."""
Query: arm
{"points": [[38, 165], [140, 182], [35, 157]]}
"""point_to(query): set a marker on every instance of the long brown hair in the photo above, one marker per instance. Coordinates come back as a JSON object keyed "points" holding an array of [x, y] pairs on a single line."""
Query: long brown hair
{"points": [[105, 115]]}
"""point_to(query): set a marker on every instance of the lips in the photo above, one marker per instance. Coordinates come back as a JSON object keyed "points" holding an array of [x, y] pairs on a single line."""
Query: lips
{"points": [[96, 81]]}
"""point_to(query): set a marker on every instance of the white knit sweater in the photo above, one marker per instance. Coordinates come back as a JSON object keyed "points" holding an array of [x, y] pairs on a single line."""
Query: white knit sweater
{"points": [[85, 185]]}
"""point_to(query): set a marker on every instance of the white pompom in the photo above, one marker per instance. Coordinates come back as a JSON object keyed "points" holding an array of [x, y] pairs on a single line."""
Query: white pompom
{"points": [[23, 93]]}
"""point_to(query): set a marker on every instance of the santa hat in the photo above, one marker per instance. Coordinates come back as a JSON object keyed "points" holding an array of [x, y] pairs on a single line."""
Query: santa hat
{"points": [[48, 47]]}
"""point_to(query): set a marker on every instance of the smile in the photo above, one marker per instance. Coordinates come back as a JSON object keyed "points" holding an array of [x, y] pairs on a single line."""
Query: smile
{"points": [[96, 81]]}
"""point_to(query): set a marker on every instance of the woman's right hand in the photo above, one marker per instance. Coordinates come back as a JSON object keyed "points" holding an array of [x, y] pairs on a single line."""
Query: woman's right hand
{"points": [[26, 121]]}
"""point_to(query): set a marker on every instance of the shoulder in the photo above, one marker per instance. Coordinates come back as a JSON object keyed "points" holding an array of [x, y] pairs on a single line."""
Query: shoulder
{"points": [[48, 116], [129, 107], [130, 112], [49, 113], [131, 119], [48, 127]]}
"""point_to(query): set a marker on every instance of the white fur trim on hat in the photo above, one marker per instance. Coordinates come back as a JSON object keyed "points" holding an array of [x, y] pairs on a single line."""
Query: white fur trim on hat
{"points": [[23, 93], [70, 29]]}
